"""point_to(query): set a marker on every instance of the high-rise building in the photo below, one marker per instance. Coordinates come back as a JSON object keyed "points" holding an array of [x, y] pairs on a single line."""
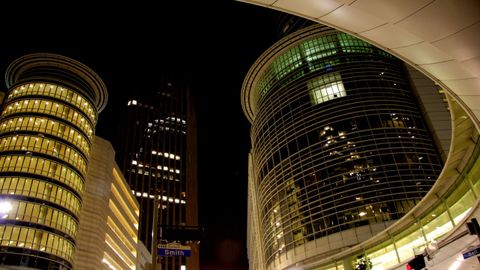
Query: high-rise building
{"points": [[340, 148], [108, 229], [158, 160], [46, 129]]}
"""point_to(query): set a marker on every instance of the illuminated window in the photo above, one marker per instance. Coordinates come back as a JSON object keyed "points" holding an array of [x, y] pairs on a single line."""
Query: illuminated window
{"points": [[325, 88], [318, 48], [287, 62], [165, 154]]}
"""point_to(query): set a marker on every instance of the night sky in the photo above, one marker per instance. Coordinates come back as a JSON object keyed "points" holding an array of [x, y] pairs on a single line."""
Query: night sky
{"points": [[212, 43]]}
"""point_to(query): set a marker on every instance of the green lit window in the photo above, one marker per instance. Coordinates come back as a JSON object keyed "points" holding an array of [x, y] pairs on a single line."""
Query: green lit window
{"points": [[318, 48], [350, 44], [437, 227], [408, 242], [325, 88], [316, 53], [287, 62], [460, 202], [384, 257], [474, 177]]}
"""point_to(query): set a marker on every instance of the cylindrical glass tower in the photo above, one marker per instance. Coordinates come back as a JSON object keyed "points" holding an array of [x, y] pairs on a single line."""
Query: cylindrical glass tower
{"points": [[339, 146], [46, 129]]}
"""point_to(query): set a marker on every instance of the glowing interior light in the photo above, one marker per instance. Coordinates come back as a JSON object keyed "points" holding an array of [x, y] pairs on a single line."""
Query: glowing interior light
{"points": [[456, 264], [5, 207]]}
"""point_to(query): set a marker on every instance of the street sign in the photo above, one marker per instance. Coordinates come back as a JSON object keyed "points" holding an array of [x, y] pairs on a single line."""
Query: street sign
{"points": [[471, 253], [174, 250], [165, 252]]}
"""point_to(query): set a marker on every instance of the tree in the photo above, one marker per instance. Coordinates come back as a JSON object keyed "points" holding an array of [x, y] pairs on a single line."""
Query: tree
{"points": [[363, 263]]}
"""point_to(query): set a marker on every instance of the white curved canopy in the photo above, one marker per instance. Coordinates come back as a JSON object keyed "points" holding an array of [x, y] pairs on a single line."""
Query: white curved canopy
{"points": [[441, 38]]}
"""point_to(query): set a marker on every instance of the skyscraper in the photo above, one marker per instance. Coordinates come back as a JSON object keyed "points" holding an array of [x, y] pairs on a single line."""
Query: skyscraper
{"points": [[46, 130], [159, 161], [340, 149]]}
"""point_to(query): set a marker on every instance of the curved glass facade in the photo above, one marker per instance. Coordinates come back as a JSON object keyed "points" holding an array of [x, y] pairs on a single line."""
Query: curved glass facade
{"points": [[46, 130], [452, 199], [338, 139]]}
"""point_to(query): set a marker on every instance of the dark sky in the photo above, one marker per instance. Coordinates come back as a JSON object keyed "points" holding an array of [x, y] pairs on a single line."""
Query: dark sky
{"points": [[214, 43]]}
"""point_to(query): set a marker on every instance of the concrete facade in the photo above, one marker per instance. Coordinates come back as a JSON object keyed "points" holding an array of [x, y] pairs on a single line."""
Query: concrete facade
{"points": [[107, 237]]}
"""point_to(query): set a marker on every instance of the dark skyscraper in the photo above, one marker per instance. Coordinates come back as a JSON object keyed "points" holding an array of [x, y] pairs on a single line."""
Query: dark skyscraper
{"points": [[340, 149], [158, 158]]}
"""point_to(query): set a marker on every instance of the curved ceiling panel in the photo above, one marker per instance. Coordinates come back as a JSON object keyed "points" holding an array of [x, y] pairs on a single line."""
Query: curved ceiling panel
{"points": [[439, 37]]}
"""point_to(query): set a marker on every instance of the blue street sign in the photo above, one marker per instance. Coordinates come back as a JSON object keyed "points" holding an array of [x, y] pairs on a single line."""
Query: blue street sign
{"points": [[173, 252], [471, 253]]}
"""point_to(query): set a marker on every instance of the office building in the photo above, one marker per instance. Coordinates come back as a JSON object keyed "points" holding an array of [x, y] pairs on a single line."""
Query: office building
{"points": [[340, 148], [158, 158], [46, 131], [108, 230]]}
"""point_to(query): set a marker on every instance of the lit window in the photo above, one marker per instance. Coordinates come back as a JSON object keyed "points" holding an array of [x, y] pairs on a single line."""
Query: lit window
{"points": [[287, 62], [325, 88]]}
